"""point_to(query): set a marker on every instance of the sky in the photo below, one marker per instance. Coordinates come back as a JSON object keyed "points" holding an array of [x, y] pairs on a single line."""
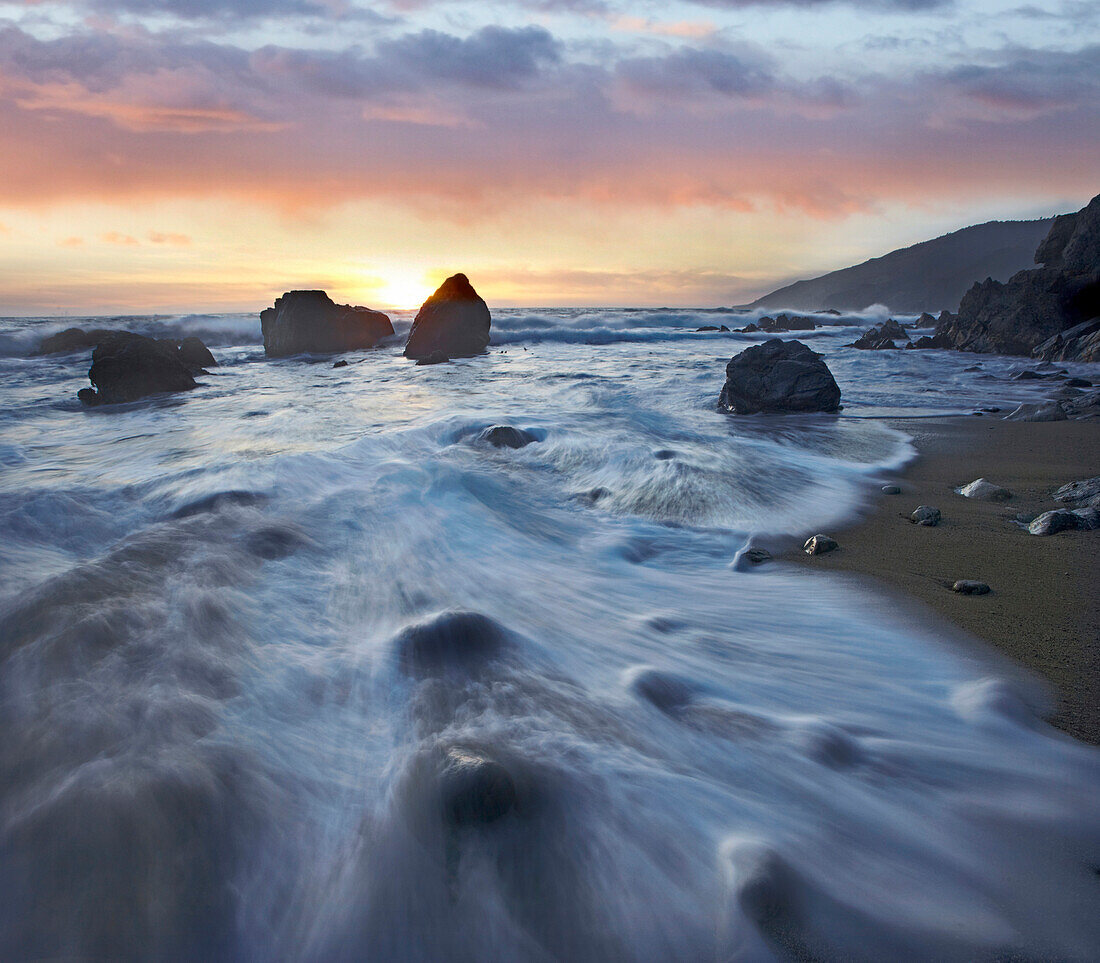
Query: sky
{"points": [[207, 155]]}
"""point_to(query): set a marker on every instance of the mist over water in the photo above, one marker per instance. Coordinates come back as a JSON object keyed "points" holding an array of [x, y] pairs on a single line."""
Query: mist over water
{"points": [[229, 691]]}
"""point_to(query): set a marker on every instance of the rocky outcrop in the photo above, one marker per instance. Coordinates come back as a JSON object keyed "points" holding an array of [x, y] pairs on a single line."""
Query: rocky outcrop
{"points": [[454, 322], [1035, 310], [195, 354], [1065, 520], [778, 376], [924, 342], [787, 322], [505, 436], [126, 367], [72, 339], [1076, 407], [881, 337], [310, 322]]}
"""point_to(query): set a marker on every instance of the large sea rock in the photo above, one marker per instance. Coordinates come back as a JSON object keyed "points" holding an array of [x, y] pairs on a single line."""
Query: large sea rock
{"points": [[126, 367], [72, 339], [453, 323], [778, 376], [310, 322], [1045, 310]]}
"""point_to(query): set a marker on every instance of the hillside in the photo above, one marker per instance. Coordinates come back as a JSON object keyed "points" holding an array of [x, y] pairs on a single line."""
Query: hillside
{"points": [[929, 276]]}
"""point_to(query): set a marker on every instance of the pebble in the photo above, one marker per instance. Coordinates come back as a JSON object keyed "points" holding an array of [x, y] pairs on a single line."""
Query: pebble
{"points": [[926, 515], [819, 545], [968, 587]]}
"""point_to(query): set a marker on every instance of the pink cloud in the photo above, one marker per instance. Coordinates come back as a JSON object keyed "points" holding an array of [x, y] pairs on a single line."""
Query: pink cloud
{"points": [[178, 240], [114, 237], [70, 242]]}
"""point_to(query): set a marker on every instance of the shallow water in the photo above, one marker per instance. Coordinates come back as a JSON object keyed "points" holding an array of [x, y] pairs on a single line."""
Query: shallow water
{"points": [[217, 745]]}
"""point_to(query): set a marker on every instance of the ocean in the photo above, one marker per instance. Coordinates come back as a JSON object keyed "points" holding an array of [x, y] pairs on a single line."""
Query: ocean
{"points": [[212, 745]]}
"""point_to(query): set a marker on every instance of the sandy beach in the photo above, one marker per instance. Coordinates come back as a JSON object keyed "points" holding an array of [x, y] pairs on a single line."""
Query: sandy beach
{"points": [[1043, 609]]}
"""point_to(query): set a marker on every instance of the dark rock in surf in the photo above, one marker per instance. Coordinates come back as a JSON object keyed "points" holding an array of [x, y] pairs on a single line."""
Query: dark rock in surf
{"points": [[72, 339], [505, 436], [195, 354], [340, 364], [474, 789], [661, 689], [126, 367], [787, 322], [436, 357], [748, 329], [925, 342], [454, 321], [310, 322], [881, 337], [451, 642], [778, 376]]}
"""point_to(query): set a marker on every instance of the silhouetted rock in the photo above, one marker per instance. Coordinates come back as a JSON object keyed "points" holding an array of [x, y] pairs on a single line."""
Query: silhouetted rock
{"points": [[72, 339], [926, 320], [749, 329], [1034, 307], [454, 321], [449, 642], [126, 367], [195, 354], [310, 322], [786, 322], [936, 341], [340, 364], [436, 357], [881, 337], [778, 376], [474, 789], [505, 436]]}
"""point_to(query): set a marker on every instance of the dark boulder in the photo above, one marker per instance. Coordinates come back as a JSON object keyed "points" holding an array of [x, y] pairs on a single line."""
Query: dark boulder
{"points": [[474, 789], [787, 322], [311, 322], [926, 320], [924, 342], [436, 357], [72, 339], [195, 354], [1035, 310], [126, 367], [748, 329], [778, 376], [450, 642], [454, 321], [505, 436], [881, 337]]}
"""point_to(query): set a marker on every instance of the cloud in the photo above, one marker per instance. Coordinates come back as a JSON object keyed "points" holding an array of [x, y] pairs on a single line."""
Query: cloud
{"points": [[70, 242], [690, 71], [114, 237], [177, 240]]}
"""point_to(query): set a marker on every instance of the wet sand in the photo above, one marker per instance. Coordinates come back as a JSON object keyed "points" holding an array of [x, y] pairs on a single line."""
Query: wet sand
{"points": [[1043, 610]]}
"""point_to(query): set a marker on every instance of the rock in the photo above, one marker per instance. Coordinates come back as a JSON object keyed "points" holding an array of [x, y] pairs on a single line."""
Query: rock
{"points": [[453, 641], [505, 436], [1062, 519], [748, 329], [1077, 383], [925, 342], [340, 364], [750, 557], [969, 587], [778, 376], [310, 322], [661, 689], [712, 327], [891, 490], [1047, 411], [723, 327], [1029, 376], [126, 367], [664, 454], [88, 397], [926, 320], [436, 357], [1085, 406], [1036, 310], [926, 515], [72, 339], [454, 320], [1084, 492], [881, 337], [474, 789], [195, 354], [984, 491], [820, 544]]}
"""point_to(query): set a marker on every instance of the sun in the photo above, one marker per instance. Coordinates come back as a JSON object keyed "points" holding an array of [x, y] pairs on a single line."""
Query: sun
{"points": [[403, 290]]}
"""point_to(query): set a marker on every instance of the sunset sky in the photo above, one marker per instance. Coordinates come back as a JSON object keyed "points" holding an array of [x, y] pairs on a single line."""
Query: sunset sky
{"points": [[186, 155]]}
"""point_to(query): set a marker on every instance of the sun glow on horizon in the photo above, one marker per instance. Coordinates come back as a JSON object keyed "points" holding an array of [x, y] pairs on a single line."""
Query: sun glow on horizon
{"points": [[403, 290]]}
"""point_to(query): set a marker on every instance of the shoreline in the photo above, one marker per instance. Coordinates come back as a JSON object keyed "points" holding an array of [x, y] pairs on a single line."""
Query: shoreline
{"points": [[1043, 610]]}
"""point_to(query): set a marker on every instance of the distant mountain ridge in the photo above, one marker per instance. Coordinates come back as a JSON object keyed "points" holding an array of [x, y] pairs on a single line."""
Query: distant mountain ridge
{"points": [[930, 276]]}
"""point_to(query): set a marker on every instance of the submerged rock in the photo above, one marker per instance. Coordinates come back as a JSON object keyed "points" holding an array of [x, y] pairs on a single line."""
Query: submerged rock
{"points": [[820, 544], [126, 367], [310, 322], [778, 376], [474, 788], [505, 436], [453, 641], [984, 491], [662, 690], [970, 587], [926, 515], [454, 321]]}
